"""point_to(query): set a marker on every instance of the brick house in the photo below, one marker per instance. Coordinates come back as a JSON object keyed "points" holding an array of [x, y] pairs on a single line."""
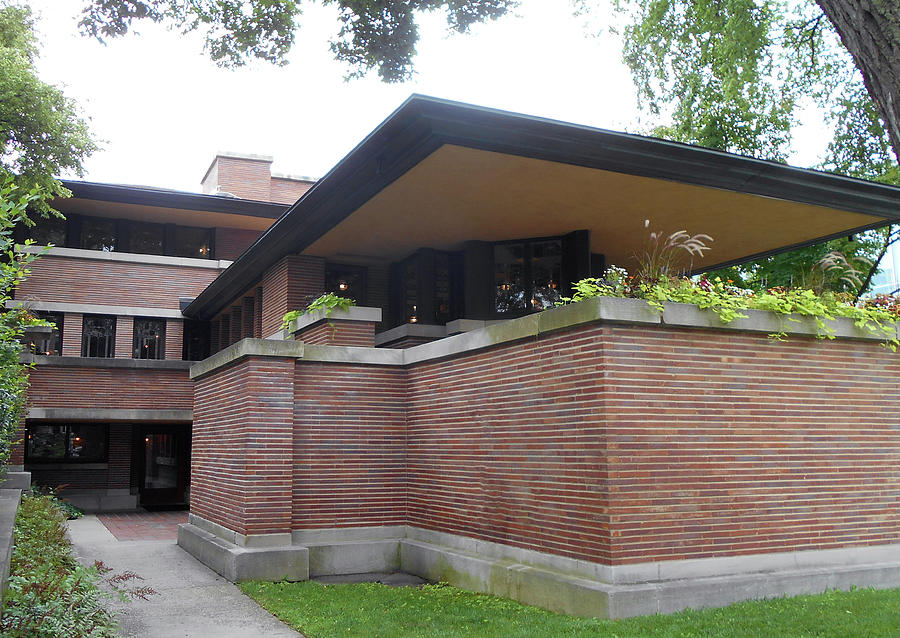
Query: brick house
{"points": [[600, 458]]}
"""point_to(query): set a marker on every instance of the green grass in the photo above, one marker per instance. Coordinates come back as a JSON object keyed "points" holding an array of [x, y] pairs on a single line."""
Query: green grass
{"points": [[440, 611]]}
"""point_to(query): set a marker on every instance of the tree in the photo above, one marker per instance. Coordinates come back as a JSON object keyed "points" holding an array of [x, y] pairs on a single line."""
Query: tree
{"points": [[41, 134], [379, 34]]}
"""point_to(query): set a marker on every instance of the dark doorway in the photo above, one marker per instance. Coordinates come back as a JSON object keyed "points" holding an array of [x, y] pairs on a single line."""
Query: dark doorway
{"points": [[163, 466]]}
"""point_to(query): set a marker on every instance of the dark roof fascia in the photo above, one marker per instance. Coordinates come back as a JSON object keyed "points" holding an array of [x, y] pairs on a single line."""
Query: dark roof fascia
{"points": [[422, 124], [173, 199]]}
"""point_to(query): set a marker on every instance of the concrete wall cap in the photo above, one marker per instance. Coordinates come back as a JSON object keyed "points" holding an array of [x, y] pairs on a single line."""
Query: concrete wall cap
{"points": [[353, 313], [133, 258]]}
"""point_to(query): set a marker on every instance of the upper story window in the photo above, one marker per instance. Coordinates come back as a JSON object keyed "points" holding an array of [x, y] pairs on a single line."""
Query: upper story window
{"points": [[527, 275], [149, 339], [50, 344], [195, 345], [192, 242], [98, 233], [121, 235], [146, 239], [98, 337]]}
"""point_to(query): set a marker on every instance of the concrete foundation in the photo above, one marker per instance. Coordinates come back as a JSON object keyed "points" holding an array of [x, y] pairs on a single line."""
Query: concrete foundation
{"points": [[553, 582], [99, 501]]}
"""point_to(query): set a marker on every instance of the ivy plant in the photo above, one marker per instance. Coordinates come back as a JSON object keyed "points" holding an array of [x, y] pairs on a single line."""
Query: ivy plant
{"points": [[329, 302]]}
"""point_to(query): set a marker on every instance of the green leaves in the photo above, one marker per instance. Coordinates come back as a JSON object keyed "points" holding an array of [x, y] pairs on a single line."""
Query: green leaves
{"points": [[329, 302]]}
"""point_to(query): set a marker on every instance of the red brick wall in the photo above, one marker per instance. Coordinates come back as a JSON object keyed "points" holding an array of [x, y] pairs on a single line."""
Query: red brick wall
{"points": [[174, 338], [290, 285], [246, 178], [64, 279], [333, 332], [722, 443], [147, 389], [73, 328], [349, 446], [124, 337], [605, 443], [231, 242], [287, 191], [507, 445], [241, 460]]}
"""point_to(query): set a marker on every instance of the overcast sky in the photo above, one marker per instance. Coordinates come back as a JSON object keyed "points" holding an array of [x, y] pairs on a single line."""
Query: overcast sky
{"points": [[162, 109]]}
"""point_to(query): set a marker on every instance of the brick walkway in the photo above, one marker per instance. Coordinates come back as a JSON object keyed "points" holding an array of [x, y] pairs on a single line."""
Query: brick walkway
{"points": [[144, 526]]}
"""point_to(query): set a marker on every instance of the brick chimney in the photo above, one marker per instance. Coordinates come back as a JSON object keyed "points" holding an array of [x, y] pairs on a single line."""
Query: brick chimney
{"points": [[250, 177]]}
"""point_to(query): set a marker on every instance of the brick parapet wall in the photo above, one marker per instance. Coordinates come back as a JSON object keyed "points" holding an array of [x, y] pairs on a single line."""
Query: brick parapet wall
{"points": [[242, 446], [86, 281], [334, 332], [610, 443]]}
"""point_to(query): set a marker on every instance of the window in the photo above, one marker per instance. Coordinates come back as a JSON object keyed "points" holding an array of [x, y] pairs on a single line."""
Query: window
{"points": [[346, 281], [149, 339], [50, 344], [527, 275], [73, 443], [98, 337], [192, 242], [196, 340], [48, 230], [98, 233], [146, 239]]}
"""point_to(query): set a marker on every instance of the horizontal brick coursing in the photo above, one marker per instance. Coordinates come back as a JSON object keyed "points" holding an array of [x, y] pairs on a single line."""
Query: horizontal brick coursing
{"points": [[232, 242], [349, 446], [612, 444], [72, 280], [291, 284], [242, 446], [109, 388], [334, 332]]}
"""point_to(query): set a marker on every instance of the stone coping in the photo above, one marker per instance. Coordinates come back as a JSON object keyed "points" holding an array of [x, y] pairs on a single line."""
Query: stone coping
{"points": [[425, 330], [132, 258], [96, 309], [353, 313], [104, 362], [598, 310], [111, 414]]}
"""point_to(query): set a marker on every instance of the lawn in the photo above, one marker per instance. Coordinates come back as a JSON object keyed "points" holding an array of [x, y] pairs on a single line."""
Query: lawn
{"points": [[440, 611]]}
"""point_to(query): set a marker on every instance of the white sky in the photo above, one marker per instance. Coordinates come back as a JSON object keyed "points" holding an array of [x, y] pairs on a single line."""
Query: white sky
{"points": [[162, 109]]}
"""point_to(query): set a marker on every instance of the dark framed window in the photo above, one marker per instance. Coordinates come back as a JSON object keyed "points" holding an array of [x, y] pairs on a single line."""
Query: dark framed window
{"points": [[196, 344], [149, 339], [48, 230], [50, 344], [146, 239], [527, 275], [193, 242], [72, 443], [99, 233], [346, 281], [98, 337]]}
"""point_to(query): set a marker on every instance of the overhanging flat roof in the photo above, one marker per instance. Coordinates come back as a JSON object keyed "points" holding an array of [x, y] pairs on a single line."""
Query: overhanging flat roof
{"points": [[437, 173]]}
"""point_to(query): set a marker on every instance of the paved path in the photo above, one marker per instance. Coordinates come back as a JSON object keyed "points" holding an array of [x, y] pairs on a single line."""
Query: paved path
{"points": [[144, 526], [194, 601]]}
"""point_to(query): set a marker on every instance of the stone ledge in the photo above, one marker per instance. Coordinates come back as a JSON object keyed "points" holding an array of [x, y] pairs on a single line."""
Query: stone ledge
{"points": [[9, 505], [96, 309], [551, 586], [110, 414], [597, 310], [353, 313], [103, 362], [15, 480], [131, 258], [289, 562]]}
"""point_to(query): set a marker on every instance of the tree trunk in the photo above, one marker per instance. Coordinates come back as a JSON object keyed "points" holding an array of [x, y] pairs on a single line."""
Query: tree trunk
{"points": [[870, 29]]}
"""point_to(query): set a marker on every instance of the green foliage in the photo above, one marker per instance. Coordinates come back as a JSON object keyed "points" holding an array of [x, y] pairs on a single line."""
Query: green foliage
{"points": [[329, 302], [374, 34], [369, 610], [879, 316], [41, 132], [71, 512], [50, 594], [14, 203]]}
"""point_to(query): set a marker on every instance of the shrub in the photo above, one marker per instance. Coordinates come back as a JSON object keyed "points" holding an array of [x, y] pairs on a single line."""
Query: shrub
{"points": [[50, 594]]}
